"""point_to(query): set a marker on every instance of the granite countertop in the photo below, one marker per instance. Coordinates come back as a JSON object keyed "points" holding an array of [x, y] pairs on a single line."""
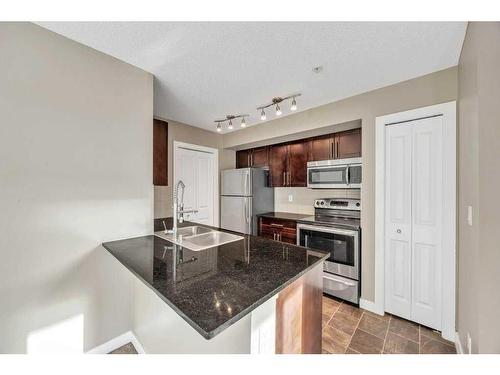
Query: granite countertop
{"points": [[284, 215], [213, 288]]}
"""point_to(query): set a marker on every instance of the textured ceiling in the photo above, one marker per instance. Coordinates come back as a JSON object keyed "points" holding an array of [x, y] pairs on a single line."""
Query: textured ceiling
{"points": [[204, 71]]}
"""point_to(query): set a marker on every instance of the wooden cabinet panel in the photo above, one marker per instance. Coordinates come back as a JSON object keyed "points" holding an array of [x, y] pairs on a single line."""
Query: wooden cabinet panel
{"points": [[243, 158], [160, 152], [278, 229], [348, 144], [297, 164], [278, 165], [298, 315], [260, 157], [321, 148]]}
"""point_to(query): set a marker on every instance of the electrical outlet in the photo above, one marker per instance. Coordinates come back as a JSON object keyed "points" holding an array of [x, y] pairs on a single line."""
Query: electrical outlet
{"points": [[469, 215], [290, 198], [469, 343]]}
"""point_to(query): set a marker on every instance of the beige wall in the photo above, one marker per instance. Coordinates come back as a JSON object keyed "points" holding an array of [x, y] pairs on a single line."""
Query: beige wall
{"points": [[75, 170], [431, 89], [479, 177], [188, 134]]}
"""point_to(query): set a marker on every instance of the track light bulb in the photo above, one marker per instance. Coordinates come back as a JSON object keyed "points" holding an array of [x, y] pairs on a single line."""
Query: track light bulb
{"points": [[230, 126], [243, 123], [263, 115], [294, 105], [278, 110]]}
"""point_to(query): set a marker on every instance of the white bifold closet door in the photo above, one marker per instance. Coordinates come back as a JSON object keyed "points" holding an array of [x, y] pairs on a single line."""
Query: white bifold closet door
{"points": [[413, 223]]}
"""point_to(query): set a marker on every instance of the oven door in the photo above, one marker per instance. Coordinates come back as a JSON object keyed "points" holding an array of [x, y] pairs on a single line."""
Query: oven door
{"points": [[342, 244], [328, 177]]}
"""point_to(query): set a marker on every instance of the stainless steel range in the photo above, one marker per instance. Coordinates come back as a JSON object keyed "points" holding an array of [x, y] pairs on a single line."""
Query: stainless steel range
{"points": [[335, 227]]}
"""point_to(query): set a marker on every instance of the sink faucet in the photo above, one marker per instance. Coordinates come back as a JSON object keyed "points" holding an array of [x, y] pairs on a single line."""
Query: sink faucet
{"points": [[178, 208]]}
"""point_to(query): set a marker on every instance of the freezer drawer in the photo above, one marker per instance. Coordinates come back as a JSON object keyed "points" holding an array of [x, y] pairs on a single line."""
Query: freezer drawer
{"points": [[236, 214], [236, 182], [341, 287]]}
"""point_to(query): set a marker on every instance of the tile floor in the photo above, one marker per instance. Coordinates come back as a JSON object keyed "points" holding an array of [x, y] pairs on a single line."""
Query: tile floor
{"points": [[125, 349], [351, 330]]}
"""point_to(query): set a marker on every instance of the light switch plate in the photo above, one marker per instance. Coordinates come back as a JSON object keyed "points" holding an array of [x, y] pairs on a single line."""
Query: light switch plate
{"points": [[469, 215], [290, 198]]}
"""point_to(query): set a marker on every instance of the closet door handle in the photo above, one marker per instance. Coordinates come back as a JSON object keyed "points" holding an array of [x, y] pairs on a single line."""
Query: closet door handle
{"points": [[398, 231]]}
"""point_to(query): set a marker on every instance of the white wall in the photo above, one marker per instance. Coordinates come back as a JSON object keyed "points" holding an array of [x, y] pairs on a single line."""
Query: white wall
{"points": [[75, 170]]}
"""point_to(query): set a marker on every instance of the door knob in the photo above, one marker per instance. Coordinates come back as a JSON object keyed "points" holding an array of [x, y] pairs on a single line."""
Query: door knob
{"points": [[398, 231]]}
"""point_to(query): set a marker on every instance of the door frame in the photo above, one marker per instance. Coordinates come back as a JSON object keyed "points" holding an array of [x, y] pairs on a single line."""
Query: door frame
{"points": [[448, 111], [189, 146]]}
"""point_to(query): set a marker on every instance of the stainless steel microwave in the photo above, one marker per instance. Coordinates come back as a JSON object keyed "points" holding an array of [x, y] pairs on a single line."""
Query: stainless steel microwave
{"points": [[334, 174]]}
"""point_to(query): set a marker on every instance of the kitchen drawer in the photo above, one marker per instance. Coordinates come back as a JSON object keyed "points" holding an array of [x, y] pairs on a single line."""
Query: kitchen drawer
{"points": [[341, 287]]}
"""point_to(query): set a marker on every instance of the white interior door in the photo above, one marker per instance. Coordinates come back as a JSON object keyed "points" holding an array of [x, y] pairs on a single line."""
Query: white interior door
{"points": [[427, 187], [413, 222], [196, 170], [398, 220]]}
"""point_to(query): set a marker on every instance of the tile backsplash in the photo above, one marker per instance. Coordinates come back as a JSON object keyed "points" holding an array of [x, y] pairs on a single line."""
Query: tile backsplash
{"points": [[303, 198]]}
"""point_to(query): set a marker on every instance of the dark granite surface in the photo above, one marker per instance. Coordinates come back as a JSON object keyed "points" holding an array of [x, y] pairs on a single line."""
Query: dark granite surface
{"points": [[284, 215], [213, 288]]}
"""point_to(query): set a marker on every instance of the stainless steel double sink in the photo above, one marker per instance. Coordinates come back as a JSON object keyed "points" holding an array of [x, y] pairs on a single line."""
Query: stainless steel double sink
{"points": [[197, 238]]}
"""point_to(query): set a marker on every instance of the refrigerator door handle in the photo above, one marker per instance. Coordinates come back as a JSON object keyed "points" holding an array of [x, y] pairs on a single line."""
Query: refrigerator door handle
{"points": [[246, 211], [247, 178]]}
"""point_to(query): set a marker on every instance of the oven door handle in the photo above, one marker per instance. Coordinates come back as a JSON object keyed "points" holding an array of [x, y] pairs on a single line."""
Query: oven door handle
{"points": [[345, 232], [339, 281]]}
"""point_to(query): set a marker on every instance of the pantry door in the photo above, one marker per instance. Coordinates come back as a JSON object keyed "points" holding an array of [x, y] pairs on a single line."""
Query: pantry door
{"points": [[414, 220], [398, 220], [196, 166]]}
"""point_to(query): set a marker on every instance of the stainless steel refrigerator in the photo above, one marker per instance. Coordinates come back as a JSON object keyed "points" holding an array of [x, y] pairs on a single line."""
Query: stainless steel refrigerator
{"points": [[245, 193]]}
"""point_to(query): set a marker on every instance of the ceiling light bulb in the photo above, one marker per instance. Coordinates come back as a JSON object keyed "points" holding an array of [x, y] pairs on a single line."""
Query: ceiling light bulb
{"points": [[243, 123], [230, 126], [294, 105], [219, 128], [263, 115], [278, 110]]}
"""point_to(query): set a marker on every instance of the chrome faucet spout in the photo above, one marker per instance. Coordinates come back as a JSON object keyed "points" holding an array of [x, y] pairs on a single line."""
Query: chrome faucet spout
{"points": [[178, 207]]}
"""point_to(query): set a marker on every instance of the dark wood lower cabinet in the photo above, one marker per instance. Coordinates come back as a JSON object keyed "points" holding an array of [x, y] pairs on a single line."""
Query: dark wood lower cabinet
{"points": [[278, 230], [299, 314]]}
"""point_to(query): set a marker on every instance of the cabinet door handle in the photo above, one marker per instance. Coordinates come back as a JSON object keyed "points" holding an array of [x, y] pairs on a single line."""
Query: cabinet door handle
{"points": [[338, 152], [284, 178], [332, 152]]}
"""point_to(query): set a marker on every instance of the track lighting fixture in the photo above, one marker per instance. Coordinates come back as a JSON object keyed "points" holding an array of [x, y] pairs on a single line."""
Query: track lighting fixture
{"points": [[276, 102], [263, 115], [229, 119]]}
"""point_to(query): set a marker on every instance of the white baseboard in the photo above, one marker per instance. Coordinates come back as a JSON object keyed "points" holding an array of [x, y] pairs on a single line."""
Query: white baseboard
{"points": [[370, 306], [458, 344], [118, 342]]}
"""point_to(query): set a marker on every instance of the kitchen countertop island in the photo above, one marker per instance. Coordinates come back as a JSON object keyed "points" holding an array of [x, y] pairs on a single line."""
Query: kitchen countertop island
{"points": [[248, 284]]}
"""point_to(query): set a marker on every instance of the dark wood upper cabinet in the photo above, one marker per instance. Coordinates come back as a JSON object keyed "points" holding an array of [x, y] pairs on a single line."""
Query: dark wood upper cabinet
{"points": [[257, 157], [243, 158], [348, 144], [288, 161], [278, 165], [298, 153], [260, 157], [321, 148], [160, 150]]}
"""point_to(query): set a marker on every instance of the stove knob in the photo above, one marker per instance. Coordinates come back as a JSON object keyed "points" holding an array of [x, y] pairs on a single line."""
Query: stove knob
{"points": [[322, 203], [358, 204]]}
